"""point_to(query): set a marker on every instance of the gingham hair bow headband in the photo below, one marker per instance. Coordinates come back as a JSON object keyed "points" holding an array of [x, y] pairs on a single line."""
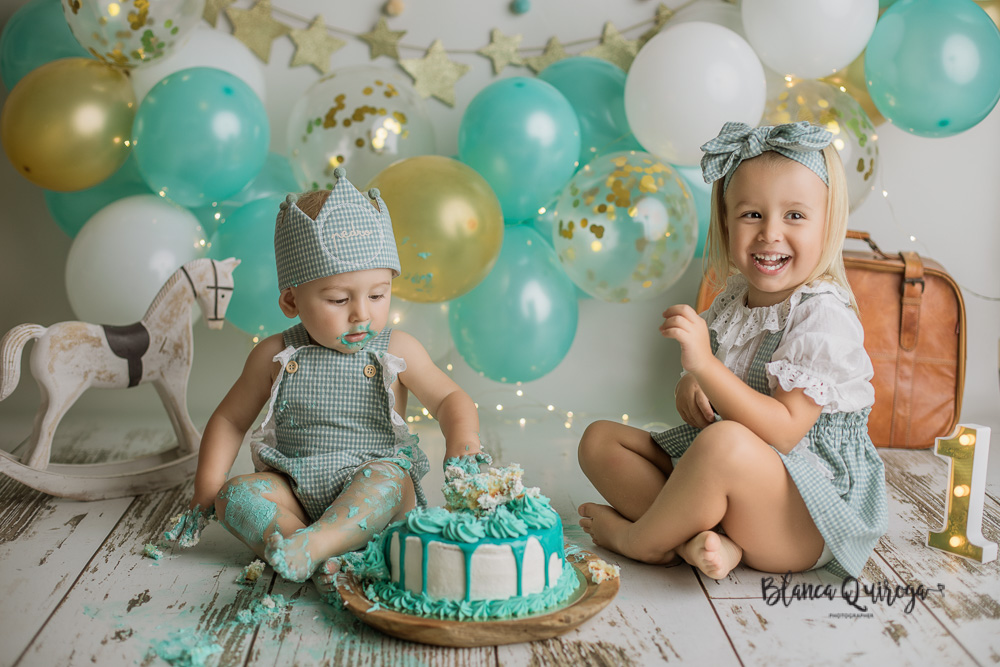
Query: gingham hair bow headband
{"points": [[736, 142]]}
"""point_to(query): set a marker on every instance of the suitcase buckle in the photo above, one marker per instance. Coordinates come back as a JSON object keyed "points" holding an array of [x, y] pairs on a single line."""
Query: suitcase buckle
{"points": [[916, 281]]}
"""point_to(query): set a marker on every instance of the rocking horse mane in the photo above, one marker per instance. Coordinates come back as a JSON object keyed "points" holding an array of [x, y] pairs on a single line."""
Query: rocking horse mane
{"points": [[169, 285]]}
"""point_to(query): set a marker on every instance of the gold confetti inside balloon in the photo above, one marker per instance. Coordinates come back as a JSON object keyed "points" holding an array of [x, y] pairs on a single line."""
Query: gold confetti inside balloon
{"points": [[362, 118], [852, 80], [66, 125], [626, 227], [448, 226], [129, 33], [854, 136]]}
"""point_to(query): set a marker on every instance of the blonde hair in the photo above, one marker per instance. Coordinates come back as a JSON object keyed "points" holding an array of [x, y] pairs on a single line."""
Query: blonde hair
{"points": [[311, 203], [718, 263]]}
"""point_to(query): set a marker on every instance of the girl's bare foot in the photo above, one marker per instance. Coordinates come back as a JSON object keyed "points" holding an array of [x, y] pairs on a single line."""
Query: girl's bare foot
{"points": [[292, 557], [714, 554], [609, 529]]}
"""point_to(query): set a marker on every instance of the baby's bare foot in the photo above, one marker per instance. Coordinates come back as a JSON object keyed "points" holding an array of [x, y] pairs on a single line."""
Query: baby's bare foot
{"points": [[325, 577], [609, 529], [714, 554], [290, 557]]}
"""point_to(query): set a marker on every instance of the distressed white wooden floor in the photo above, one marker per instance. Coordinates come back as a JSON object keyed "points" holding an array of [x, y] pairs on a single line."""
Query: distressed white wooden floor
{"points": [[76, 590]]}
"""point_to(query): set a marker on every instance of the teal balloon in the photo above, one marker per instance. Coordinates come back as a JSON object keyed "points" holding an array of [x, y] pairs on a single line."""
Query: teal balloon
{"points": [[933, 66], [519, 322], [248, 234], [201, 135], [596, 90], [36, 34], [275, 178], [547, 227], [522, 135], [701, 192], [71, 210]]}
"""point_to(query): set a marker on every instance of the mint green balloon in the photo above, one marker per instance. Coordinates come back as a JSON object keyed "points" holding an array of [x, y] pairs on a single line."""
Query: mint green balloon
{"points": [[201, 135], [36, 34], [596, 90], [933, 66], [248, 235], [71, 210], [274, 178], [519, 322], [701, 195]]}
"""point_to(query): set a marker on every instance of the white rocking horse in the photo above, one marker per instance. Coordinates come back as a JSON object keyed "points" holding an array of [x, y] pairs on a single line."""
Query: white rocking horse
{"points": [[70, 357]]}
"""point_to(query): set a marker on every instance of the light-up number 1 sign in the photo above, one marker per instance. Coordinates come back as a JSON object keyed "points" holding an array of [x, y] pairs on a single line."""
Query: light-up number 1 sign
{"points": [[962, 534]]}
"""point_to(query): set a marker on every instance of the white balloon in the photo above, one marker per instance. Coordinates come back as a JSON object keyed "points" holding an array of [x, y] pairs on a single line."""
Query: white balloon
{"points": [[427, 322], [808, 39], [205, 47], [124, 253], [686, 83]]}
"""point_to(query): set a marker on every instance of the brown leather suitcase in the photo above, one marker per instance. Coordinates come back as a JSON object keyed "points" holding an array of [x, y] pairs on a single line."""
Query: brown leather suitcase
{"points": [[913, 315]]}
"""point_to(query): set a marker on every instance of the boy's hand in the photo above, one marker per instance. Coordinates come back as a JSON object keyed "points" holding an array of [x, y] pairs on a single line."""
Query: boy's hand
{"points": [[186, 527], [462, 466], [684, 325], [692, 403]]}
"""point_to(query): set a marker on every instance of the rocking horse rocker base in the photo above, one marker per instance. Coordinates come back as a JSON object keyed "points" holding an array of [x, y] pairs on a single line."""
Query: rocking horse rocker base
{"points": [[70, 357]]}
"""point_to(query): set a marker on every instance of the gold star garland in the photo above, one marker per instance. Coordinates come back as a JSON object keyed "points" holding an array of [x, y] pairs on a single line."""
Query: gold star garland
{"points": [[434, 74]]}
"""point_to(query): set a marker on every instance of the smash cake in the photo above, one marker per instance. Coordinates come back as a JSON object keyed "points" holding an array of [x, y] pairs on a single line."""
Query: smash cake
{"points": [[494, 551]]}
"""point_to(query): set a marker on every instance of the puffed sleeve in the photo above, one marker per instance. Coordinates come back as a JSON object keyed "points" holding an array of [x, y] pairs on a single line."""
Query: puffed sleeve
{"points": [[822, 352]]}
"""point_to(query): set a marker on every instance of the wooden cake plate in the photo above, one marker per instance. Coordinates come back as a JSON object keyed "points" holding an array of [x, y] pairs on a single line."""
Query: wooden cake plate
{"points": [[586, 602]]}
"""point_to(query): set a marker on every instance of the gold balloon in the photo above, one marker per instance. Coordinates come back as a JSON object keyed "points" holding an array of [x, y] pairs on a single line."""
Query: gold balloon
{"points": [[448, 226], [67, 124], [852, 80], [992, 9]]}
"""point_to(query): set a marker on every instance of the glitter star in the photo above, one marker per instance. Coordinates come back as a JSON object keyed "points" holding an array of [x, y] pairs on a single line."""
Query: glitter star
{"points": [[554, 52], [663, 15], [614, 47], [434, 74], [382, 41], [213, 8], [502, 50], [314, 46], [255, 28]]}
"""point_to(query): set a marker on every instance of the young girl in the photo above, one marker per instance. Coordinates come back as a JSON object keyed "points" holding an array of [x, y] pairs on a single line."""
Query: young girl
{"points": [[776, 390], [335, 461]]}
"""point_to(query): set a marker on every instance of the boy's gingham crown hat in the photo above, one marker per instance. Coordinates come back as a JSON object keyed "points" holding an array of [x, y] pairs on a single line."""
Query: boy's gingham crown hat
{"points": [[347, 235]]}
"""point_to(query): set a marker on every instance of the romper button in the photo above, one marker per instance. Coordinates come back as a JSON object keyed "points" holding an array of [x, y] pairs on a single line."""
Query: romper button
{"points": [[292, 366], [369, 371]]}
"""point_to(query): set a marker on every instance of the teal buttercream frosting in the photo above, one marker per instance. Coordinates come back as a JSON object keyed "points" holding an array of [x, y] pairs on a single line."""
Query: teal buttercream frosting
{"points": [[502, 523], [464, 528], [429, 520], [534, 511]]}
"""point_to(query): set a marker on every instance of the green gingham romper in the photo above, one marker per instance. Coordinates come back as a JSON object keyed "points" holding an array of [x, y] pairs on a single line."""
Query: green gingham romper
{"points": [[844, 489], [327, 417]]}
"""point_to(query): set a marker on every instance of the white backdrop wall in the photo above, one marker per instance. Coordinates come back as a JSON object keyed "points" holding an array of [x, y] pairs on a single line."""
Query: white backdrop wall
{"points": [[943, 192]]}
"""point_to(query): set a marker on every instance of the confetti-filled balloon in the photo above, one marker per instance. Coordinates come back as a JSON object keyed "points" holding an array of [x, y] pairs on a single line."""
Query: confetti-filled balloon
{"points": [[447, 223], [129, 34], [36, 34], [854, 136], [125, 253], [679, 92], [933, 66], [519, 323], [523, 136], [201, 135], [362, 118], [852, 80], [249, 234], [66, 125], [627, 227]]}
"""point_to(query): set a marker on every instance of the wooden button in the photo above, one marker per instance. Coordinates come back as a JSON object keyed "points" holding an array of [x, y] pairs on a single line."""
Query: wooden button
{"points": [[292, 366], [369, 371]]}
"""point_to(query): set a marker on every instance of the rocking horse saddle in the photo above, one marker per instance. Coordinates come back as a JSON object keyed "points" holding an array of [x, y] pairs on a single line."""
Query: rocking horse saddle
{"points": [[129, 342]]}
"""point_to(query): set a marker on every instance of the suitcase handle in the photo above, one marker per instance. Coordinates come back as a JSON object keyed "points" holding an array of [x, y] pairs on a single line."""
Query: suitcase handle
{"points": [[866, 237]]}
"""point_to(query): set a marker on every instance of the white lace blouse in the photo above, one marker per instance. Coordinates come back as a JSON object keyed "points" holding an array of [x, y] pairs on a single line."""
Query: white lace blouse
{"points": [[822, 350]]}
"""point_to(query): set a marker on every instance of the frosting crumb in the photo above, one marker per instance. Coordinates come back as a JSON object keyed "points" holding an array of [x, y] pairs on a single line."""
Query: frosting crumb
{"points": [[152, 551], [601, 570], [251, 572]]}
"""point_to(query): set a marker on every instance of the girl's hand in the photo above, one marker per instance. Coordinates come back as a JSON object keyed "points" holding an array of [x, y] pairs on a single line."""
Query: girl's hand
{"points": [[461, 466], [692, 403], [684, 325], [186, 527]]}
